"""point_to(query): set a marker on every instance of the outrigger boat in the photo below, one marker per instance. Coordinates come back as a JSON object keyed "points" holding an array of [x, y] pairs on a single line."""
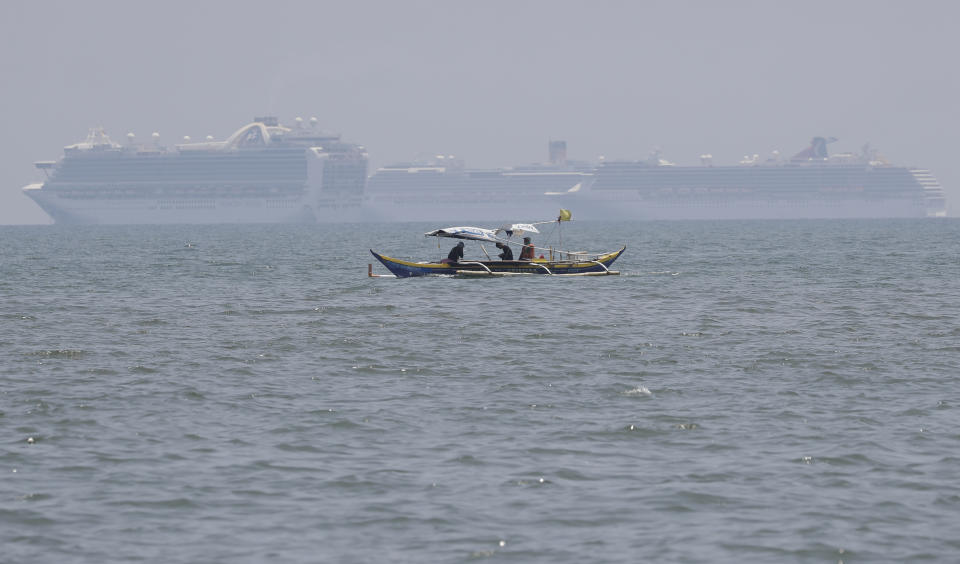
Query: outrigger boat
{"points": [[552, 262]]}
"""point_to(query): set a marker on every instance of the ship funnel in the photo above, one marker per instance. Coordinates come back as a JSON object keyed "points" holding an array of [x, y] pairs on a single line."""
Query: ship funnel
{"points": [[156, 137], [130, 137], [186, 138], [816, 150]]}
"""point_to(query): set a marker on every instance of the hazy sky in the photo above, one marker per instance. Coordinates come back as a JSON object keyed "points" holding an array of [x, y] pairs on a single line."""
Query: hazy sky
{"points": [[488, 81]]}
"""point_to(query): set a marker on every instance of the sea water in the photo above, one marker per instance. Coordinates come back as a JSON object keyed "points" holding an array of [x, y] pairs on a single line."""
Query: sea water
{"points": [[742, 392]]}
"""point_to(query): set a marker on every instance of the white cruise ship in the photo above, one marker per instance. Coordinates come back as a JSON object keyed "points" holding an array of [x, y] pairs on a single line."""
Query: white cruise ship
{"points": [[266, 172], [263, 173], [811, 184], [443, 189]]}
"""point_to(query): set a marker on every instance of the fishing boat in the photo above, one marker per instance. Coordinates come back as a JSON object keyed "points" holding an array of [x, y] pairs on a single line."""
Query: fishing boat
{"points": [[549, 262]]}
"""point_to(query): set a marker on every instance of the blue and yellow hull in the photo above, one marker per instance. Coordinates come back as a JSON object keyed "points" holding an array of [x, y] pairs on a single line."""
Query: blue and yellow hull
{"points": [[405, 269]]}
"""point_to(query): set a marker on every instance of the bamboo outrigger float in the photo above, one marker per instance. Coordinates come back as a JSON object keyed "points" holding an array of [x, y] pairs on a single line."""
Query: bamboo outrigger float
{"points": [[559, 263]]}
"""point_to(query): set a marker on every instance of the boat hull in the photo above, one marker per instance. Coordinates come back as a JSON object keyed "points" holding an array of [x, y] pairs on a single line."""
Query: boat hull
{"points": [[406, 269]]}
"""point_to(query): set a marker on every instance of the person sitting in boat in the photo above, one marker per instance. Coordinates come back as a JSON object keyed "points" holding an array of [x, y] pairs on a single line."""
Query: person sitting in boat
{"points": [[507, 254], [526, 253], [456, 253]]}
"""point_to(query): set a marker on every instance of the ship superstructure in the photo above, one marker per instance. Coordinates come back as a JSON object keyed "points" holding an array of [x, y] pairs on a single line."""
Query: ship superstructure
{"points": [[264, 172]]}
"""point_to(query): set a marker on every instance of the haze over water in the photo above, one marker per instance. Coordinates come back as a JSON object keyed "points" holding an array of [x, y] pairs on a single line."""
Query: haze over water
{"points": [[744, 391]]}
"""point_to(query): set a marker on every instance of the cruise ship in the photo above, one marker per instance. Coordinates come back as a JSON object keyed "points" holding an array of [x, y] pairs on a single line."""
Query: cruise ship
{"points": [[267, 172], [441, 188], [811, 184], [264, 173]]}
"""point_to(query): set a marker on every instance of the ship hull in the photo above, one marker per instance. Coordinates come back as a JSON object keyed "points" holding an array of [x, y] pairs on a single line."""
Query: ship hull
{"points": [[125, 211], [623, 207], [258, 210], [719, 209]]}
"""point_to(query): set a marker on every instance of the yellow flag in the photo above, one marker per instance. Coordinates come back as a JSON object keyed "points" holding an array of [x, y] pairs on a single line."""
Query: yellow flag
{"points": [[564, 215]]}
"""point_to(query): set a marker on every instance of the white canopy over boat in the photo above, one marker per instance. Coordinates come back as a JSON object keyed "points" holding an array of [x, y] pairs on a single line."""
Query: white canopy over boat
{"points": [[471, 233], [517, 229], [491, 235]]}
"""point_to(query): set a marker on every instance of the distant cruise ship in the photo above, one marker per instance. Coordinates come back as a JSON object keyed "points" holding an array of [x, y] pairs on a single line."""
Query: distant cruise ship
{"points": [[442, 189], [812, 184], [264, 172]]}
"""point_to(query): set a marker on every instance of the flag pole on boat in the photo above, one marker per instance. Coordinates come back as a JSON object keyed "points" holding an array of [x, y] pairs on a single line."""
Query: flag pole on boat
{"points": [[565, 215]]}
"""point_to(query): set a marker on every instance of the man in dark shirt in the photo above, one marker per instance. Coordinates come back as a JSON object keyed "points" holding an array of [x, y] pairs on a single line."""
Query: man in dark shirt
{"points": [[507, 254], [456, 253]]}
